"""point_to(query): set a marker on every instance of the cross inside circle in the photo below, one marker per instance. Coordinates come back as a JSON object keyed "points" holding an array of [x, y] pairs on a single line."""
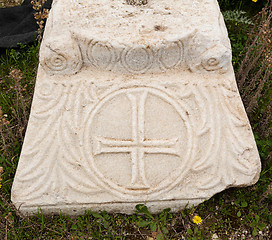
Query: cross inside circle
{"points": [[138, 146]]}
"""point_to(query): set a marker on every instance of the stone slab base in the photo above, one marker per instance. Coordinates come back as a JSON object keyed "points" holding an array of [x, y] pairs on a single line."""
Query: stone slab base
{"points": [[122, 207], [146, 111]]}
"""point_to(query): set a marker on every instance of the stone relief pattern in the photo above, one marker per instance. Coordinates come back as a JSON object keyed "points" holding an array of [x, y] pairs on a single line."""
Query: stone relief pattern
{"points": [[138, 146], [59, 58], [237, 141], [61, 120], [229, 147], [101, 54], [37, 151], [68, 59], [134, 59], [204, 55], [70, 131]]}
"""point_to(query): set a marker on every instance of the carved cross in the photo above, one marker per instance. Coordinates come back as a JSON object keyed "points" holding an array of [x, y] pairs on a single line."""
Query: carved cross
{"points": [[138, 145]]}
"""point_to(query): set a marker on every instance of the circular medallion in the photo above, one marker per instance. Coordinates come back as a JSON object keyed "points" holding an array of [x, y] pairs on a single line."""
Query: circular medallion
{"points": [[101, 54], [138, 141], [137, 60], [171, 55]]}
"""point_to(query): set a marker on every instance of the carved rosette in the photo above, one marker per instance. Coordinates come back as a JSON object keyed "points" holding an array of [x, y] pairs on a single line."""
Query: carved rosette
{"points": [[207, 55], [61, 55]]}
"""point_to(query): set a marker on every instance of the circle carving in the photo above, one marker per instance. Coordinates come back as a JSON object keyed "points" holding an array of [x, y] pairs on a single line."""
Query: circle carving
{"points": [[141, 144]]}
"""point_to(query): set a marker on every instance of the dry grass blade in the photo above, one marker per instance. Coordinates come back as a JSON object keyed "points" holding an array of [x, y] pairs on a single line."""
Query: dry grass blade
{"points": [[13, 125], [254, 76]]}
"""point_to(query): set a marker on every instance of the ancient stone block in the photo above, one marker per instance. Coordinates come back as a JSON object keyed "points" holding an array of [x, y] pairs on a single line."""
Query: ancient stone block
{"points": [[133, 104]]}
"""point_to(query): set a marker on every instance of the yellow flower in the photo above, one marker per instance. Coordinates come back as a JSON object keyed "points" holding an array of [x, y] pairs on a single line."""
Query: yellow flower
{"points": [[254, 0], [0, 185], [197, 220]]}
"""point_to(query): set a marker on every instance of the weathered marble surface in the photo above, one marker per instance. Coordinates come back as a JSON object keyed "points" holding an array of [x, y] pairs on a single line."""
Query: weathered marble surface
{"points": [[133, 104]]}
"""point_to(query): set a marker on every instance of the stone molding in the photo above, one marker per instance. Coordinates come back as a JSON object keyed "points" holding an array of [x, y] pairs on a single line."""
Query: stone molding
{"points": [[190, 52]]}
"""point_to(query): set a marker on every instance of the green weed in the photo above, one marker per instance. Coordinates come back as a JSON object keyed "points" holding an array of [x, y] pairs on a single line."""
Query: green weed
{"points": [[157, 224]]}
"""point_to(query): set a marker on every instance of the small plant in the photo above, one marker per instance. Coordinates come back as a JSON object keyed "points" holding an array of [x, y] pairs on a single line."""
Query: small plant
{"points": [[195, 233], [10, 3], [156, 224], [40, 15], [256, 225], [237, 16]]}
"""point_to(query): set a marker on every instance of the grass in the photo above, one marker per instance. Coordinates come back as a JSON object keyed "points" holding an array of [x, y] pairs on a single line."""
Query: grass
{"points": [[237, 213]]}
